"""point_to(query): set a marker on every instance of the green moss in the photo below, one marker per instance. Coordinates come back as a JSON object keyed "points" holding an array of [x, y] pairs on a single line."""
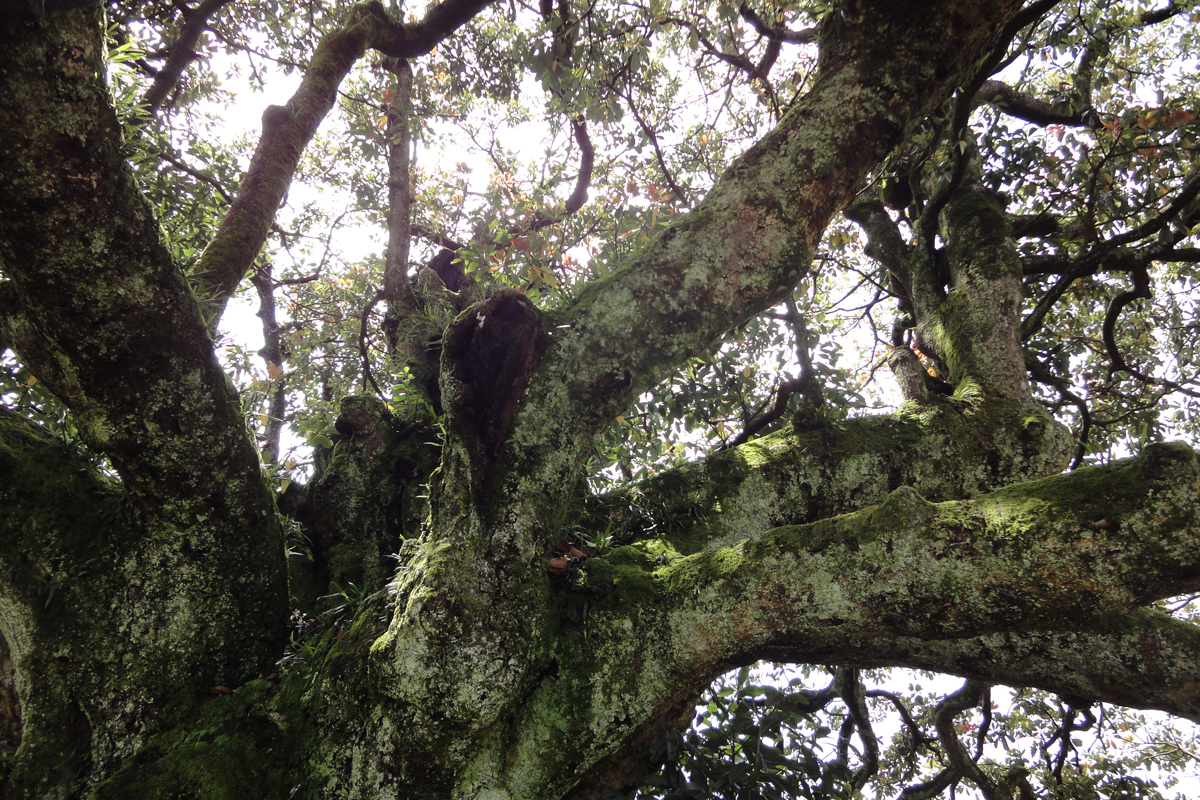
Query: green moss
{"points": [[234, 745]]}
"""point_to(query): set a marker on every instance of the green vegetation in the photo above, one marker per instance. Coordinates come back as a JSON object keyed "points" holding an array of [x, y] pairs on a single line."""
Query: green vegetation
{"points": [[662, 399]]}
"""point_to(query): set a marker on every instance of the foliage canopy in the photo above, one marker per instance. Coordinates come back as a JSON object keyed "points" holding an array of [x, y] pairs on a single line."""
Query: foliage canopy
{"points": [[605, 347]]}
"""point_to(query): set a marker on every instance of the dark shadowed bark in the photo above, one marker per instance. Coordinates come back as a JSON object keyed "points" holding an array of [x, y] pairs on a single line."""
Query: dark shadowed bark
{"points": [[143, 594]]}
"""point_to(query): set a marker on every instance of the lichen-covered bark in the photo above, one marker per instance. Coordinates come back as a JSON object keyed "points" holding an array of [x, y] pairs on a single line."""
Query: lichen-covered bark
{"points": [[188, 588], [945, 449], [143, 606], [932, 585], [739, 252], [365, 500]]}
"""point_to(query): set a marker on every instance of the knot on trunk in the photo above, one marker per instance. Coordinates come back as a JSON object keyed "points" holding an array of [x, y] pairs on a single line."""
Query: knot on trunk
{"points": [[488, 355]]}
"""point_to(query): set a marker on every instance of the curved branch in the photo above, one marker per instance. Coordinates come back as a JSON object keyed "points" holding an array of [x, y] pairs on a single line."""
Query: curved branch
{"points": [[1036, 226], [885, 244], [363, 351], [966, 698], [777, 33], [1140, 291], [141, 378], [1042, 373], [587, 158], [805, 384], [789, 478], [288, 129], [409, 40], [180, 54], [441, 240], [1024, 106], [272, 352], [1090, 261], [1099, 44], [579, 195], [919, 737], [853, 694]]}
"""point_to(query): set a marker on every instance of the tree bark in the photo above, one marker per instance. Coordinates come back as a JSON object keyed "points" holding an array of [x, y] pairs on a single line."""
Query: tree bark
{"points": [[142, 577]]}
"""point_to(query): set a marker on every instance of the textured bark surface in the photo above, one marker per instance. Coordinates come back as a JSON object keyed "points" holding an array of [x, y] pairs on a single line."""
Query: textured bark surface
{"points": [[143, 599]]}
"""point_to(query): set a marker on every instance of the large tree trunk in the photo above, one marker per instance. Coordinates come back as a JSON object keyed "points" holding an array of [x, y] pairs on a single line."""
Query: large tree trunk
{"points": [[144, 601]]}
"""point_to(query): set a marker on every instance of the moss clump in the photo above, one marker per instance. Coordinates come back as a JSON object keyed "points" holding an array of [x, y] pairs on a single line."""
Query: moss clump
{"points": [[234, 744]]}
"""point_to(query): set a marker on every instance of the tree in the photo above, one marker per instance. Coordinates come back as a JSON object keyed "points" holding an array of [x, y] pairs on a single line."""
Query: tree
{"points": [[495, 579]]}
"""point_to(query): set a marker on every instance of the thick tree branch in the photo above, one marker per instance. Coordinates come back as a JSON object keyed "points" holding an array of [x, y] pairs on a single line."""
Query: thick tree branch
{"points": [[1024, 106], [47, 488], [288, 129], [103, 316], [789, 478], [1144, 659], [1093, 545], [180, 54], [409, 40], [749, 241], [884, 586]]}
